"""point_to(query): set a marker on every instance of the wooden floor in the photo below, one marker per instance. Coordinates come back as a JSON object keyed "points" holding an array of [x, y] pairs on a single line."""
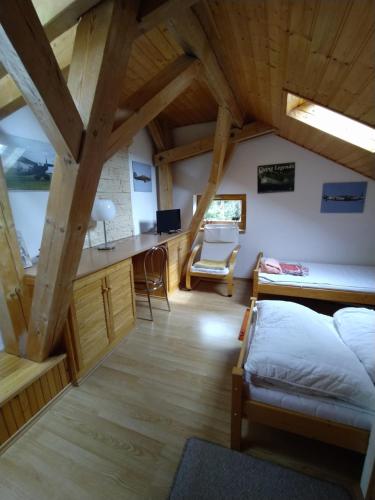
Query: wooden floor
{"points": [[121, 433]]}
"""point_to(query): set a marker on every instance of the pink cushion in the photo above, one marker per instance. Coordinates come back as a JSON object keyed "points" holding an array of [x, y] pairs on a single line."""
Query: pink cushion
{"points": [[270, 266]]}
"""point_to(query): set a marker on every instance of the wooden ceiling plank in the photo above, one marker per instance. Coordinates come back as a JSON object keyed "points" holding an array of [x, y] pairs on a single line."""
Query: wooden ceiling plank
{"points": [[152, 106], [221, 142], [27, 55], [104, 37], [12, 320], [188, 31], [200, 146], [160, 14]]}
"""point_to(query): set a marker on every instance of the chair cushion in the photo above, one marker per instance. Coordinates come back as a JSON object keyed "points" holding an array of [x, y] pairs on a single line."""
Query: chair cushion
{"points": [[217, 251], [211, 264], [202, 270], [220, 233]]}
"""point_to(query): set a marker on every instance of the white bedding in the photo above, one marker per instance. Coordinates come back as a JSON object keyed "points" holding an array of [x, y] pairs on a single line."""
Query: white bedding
{"points": [[328, 409], [332, 276], [298, 350]]}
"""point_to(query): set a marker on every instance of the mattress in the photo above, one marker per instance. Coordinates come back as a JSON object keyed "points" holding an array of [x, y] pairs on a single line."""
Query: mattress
{"points": [[328, 276], [327, 409]]}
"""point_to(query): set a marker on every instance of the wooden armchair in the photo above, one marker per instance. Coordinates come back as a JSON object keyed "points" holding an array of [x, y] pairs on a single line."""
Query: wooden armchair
{"points": [[218, 255]]}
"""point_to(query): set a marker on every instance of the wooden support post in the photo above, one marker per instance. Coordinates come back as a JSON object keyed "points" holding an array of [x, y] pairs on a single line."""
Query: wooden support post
{"points": [[162, 138], [124, 133], [367, 482], [27, 55], [100, 56], [217, 169], [188, 32], [12, 320]]}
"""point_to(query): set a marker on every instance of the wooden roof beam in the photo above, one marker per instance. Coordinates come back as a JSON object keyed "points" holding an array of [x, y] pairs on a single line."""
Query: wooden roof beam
{"points": [[104, 37], [152, 17], [162, 138], [12, 320], [155, 96], [188, 32], [58, 16], [221, 142], [200, 146], [27, 55]]}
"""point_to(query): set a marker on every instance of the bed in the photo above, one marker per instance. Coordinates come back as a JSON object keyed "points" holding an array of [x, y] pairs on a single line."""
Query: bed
{"points": [[333, 282], [331, 420]]}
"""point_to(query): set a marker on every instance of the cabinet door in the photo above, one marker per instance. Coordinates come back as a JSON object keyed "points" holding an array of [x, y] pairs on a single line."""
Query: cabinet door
{"points": [[120, 288], [184, 249], [90, 317]]}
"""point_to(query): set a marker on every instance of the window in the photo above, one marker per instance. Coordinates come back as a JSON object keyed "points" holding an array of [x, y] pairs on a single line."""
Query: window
{"points": [[332, 123], [226, 208]]}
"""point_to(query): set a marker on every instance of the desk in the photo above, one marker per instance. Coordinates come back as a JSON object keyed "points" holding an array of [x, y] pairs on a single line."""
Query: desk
{"points": [[103, 310]]}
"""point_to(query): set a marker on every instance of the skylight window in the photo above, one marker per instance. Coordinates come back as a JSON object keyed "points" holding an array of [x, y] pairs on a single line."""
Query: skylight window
{"points": [[332, 123]]}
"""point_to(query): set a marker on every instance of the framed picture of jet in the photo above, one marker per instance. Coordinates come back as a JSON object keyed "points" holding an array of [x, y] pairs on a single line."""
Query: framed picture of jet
{"points": [[276, 178], [27, 164], [343, 197], [142, 179]]}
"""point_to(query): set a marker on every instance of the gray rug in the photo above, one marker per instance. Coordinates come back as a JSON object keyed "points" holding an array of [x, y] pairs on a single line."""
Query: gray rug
{"points": [[208, 471]]}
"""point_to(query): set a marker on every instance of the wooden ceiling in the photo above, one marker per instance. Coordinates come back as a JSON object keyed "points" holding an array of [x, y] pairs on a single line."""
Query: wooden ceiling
{"points": [[323, 50]]}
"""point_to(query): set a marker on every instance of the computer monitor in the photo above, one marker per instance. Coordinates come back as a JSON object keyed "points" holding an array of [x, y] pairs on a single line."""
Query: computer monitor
{"points": [[168, 221]]}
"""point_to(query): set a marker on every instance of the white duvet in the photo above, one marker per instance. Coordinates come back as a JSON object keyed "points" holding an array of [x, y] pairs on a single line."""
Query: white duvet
{"points": [[296, 349]]}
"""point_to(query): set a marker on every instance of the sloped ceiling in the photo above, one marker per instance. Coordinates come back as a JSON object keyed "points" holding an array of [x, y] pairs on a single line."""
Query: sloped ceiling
{"points": [[323, 50]]}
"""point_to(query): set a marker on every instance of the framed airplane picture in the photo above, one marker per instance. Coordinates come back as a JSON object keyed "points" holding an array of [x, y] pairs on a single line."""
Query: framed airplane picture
{"points": [[343, 197], [28, 164], [142, 177]]}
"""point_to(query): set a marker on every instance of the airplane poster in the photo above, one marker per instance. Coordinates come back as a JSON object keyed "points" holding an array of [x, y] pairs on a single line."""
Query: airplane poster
{"points": [[28, 164], [276, 178], [142, 180], [343, 197]]}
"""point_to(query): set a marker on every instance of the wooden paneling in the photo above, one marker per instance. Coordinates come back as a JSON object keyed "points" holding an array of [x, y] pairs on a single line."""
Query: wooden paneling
{"points": [[25, 388], [178, 251]]}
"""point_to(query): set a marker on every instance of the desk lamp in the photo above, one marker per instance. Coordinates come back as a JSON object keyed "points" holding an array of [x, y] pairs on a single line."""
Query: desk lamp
{"points": [[104, 210]]}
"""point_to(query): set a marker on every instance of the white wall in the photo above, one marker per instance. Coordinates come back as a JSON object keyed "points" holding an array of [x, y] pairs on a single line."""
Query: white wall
{"points": [[284, 225], [144, 204]]}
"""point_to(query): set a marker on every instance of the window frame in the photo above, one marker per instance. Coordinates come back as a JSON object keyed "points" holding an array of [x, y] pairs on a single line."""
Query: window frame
{"points": [[231, 197]]}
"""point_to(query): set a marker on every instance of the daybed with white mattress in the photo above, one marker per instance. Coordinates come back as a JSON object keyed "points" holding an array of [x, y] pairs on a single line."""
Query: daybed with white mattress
{"points": [[334, 282], [306, 373]]}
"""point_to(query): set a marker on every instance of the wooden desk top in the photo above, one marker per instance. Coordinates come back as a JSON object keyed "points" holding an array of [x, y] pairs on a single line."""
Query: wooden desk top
{"points": [[93, 260]]}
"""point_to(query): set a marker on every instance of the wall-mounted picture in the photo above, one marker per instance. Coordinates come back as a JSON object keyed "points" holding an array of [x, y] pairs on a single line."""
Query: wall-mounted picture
{"points": [[276, 178], [343, 197], [28, 164], [142, 179]]}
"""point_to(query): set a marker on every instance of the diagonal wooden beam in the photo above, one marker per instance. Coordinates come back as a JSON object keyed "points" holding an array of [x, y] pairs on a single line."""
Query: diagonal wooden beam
{"points": [[217, 168], [188, 32], [200, 146], [27, 55], [12, 320], [151, 17], [11, 98], [152, 106], [100, 56], [162, 138], [58, 17]]}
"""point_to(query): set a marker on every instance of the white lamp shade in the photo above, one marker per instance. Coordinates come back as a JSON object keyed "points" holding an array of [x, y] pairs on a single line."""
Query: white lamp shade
{"points": [[103, 210]]}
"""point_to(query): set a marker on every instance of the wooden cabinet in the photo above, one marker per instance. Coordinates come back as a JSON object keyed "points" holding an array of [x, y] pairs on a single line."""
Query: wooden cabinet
{"points": [[178, 250], [101, 314]]}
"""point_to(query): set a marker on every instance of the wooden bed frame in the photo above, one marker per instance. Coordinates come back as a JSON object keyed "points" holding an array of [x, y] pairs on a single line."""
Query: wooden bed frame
{"points": [[243, 406], [332, 295]]}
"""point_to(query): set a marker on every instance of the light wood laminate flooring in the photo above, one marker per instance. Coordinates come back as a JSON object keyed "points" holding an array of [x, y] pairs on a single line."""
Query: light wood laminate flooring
{"points": [[120, 434]]}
